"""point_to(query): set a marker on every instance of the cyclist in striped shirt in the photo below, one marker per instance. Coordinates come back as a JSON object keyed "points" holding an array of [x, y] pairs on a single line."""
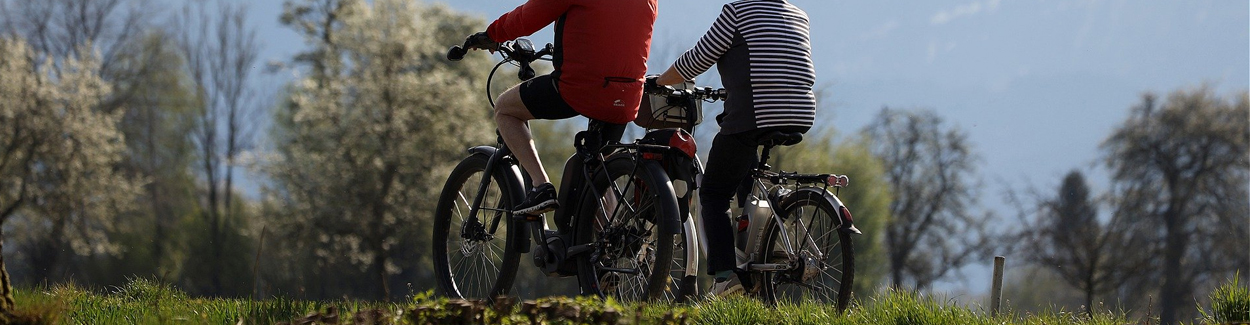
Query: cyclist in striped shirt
{"points": [[762, 50]]}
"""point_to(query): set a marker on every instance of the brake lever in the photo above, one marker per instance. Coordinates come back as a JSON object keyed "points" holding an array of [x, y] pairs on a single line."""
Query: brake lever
{"points": [[547, 50]]}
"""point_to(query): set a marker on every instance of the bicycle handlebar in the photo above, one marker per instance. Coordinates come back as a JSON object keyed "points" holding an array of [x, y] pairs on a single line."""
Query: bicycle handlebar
{"points": [[700, 93], [520, 51]]}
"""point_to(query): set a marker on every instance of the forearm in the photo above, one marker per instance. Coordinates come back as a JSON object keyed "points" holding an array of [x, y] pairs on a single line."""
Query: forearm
{"points": [[670, 77], [705, 53]]}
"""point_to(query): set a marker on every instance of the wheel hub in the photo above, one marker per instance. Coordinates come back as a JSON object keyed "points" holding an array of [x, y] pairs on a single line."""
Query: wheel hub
{"points": [[469, 247], [475, 231], [808, 267]]}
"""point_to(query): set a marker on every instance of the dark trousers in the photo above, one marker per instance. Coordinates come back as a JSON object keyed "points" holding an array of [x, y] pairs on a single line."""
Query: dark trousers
{"points": [[728, 165], [728, 172]]}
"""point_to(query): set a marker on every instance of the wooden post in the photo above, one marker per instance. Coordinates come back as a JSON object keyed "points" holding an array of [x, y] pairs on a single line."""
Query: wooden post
{"points": [[256, 267], [996, 291]]}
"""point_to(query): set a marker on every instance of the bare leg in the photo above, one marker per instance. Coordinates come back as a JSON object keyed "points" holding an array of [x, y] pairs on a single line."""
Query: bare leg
{"points": [[511, 116]]}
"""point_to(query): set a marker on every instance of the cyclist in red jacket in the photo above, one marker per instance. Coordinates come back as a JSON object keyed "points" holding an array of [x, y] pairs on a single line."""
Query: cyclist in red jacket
{"points": [[600, 59]]}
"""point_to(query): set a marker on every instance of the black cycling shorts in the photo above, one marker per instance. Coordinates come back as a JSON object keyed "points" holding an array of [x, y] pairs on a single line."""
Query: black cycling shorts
{"points": [[543, 100]]}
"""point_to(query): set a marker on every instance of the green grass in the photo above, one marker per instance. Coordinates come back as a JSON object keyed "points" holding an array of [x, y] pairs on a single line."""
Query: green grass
{"points": [[1230, 303], [149, 302]]}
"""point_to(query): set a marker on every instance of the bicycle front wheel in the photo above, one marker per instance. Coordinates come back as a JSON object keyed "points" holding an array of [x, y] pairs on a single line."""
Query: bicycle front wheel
{"points": [[475, 258], [628, 230], [810, 239]]}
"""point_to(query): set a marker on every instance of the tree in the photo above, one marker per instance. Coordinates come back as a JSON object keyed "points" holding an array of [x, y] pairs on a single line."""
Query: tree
{"points": [[58, 29], [366, 140], [1067, 238], [57, 153], [156, 124], [1182, 165], [149, 88], [929, 167], [221, 53]]}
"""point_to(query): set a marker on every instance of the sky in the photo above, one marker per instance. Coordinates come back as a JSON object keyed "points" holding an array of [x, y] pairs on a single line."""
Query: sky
{"points": [[1036, 84]]}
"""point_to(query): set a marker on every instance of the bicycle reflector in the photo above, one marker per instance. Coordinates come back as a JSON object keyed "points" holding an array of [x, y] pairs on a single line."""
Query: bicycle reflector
{"points": [[838, 180]]}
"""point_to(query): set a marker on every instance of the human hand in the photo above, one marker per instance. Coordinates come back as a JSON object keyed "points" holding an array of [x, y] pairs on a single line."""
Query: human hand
{"points": [[482, 41], [650, 85]]}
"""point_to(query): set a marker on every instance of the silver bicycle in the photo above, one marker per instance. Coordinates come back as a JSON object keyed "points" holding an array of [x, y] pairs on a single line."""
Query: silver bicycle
{"points": [[794, 234]]}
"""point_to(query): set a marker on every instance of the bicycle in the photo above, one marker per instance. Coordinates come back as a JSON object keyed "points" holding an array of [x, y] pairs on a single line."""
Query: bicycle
{"points": [[786, 262], [615, 224]]}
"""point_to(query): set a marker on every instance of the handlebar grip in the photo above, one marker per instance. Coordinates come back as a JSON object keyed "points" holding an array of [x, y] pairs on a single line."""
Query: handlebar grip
{"points": [[456, 53]]}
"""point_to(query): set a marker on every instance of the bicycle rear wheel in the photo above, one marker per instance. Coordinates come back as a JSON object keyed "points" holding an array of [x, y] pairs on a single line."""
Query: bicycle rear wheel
{"points": [[823, 252], [476, 258], [633, 246]]}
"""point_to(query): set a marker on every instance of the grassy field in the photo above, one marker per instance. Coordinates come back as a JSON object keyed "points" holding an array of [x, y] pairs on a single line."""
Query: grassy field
{"points": [[146, 302]]}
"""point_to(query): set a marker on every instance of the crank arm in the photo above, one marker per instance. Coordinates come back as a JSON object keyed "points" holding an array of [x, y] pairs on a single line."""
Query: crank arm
{"points": [[619, 270], [765, 267], [579, 249]]}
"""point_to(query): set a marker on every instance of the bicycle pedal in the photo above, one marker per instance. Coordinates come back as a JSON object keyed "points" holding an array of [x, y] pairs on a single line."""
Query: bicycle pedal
{"points": [[528, 217]]}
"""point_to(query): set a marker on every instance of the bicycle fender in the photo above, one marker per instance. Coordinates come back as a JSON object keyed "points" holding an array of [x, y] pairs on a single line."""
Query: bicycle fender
{"points": [[483, 150], [513, 177], [668, 203], [693, 247], [845, 222]]}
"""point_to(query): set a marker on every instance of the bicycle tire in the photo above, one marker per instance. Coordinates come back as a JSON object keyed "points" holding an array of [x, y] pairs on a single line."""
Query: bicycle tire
{"points": [[497, 255], [633, 228], [812, 207]]}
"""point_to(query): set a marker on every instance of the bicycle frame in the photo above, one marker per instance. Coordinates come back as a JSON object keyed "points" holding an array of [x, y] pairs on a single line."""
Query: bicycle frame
{"points": [[761, 191], [553, 251], [651, 209]]}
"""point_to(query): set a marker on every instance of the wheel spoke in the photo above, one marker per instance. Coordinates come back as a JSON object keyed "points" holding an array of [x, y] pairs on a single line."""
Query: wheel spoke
{"points": [[813, 230], [476, 257], [625, 232]]}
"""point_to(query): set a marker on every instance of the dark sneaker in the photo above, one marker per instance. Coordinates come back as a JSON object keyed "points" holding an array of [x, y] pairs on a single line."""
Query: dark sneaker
{"points": [[727, 287], [540, 200]]}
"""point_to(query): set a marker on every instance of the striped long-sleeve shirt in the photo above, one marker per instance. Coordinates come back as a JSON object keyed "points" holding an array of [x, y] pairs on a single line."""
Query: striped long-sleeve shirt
{"points": [[762, 49]]}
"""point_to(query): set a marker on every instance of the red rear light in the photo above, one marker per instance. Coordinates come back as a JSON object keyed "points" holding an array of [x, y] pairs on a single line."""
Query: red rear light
{"points": [[846, 213], [682, 141], [652, 156], [838, 180]]}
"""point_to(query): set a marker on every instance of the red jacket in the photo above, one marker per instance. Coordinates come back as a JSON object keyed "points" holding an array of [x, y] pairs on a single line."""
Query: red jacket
{"points": [[600, 52]]}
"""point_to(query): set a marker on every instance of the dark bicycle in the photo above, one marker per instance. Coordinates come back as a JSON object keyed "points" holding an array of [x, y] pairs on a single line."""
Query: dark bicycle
{"points": [[670, 115], [614, 228]]}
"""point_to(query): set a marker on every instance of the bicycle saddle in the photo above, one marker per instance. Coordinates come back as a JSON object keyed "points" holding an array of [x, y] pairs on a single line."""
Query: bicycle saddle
{"points": [[778, 138]]}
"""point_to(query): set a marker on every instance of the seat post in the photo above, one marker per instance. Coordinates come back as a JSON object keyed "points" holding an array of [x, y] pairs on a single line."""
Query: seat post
{"points": [[764, 157]]}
